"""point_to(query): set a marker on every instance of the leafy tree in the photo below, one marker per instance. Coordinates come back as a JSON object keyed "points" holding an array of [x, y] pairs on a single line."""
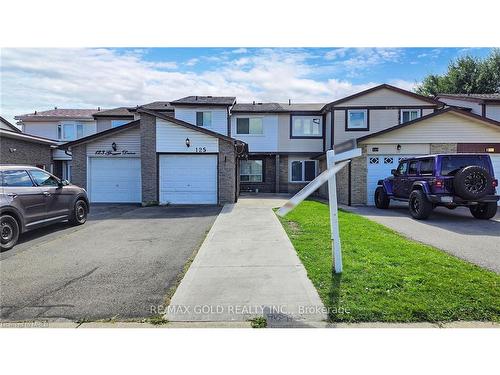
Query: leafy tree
{"points": [[465, 75]]}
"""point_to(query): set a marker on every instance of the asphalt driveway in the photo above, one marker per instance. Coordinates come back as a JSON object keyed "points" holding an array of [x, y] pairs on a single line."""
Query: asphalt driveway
{"points": [[120, 264], [454, 231]]}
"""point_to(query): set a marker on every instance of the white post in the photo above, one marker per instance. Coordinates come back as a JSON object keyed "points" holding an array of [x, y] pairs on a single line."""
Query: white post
{"points": [[334, 219]]}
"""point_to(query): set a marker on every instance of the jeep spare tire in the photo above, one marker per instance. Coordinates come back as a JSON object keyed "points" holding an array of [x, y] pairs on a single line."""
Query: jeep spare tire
{"points": [[472, 182]]}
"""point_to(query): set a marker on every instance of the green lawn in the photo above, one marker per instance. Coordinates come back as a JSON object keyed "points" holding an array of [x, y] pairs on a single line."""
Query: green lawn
{"points": [[386, 277]]}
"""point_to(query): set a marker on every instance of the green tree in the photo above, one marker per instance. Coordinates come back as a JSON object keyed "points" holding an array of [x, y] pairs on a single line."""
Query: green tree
{"points": [[465, 75]]}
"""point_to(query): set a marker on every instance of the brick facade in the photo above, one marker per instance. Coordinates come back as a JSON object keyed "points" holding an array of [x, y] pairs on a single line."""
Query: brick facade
{"points": [[228, 181], [27, 153], [268, 185], [444, 148], [79, 169], [285, 185], [149, 160]]}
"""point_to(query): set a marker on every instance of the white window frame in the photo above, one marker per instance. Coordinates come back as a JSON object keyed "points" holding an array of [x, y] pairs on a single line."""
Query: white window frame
{"points": [[261, 172], [301, 118], [117, 123], [203, 125], [366, 122], [75, 125], [249, 134], [303, 170], [418, 110]]}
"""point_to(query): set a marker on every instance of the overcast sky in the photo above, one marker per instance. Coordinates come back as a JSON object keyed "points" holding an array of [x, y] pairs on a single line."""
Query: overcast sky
{"points": [[40, 79]]}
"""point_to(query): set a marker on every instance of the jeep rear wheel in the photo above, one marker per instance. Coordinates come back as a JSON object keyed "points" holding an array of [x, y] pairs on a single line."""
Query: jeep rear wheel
{"points": [[484, 211], [472, 182], [381, 198], [420, 207]]}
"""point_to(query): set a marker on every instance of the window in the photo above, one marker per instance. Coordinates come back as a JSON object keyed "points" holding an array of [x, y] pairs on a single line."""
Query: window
{"points": [[427, 167], [302, 170], [44, 179], [69, 131], [388, 160], [307, 126], [16, 178], [403, 168], [251, 171], [410, 115], [357, 119], [204, 119], [116, 123], [252, 125], [412, 168], [452, 164], [374, 160]]}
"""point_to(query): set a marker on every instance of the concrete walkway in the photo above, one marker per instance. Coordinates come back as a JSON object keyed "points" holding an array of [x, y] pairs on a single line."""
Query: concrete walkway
{"points": [[247, 267]]}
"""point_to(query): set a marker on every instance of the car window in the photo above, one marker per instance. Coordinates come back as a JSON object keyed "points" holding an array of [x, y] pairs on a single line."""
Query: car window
{"points": [[16, 178], [427, 167], [403, 168], [412, 168], [43, 178], [452, 164]]}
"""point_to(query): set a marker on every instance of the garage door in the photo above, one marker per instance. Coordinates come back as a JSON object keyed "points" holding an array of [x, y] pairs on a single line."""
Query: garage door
{"points": [[495, 159], [115, 180], [379, 167], [188, 179]]}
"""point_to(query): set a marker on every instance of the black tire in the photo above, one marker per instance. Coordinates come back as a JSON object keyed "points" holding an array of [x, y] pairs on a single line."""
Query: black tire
{"points": [[381, 199], [484, 211], [9, 230], [79, 214], [420, 207], [472, 182]]}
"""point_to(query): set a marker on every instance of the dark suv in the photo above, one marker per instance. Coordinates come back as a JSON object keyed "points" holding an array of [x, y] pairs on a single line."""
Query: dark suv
{"points": [[31, 198], [448, 180]]}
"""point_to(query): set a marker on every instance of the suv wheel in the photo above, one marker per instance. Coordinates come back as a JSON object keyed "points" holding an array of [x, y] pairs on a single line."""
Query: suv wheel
{"points": [[420, 207], [381, 198], [79, 214], [484, 211], [472, 182], [9, 232]]}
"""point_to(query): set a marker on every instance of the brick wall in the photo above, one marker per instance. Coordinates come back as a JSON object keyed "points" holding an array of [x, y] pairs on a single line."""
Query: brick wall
{"points": [[29, 153], [228, 184], [269, 176], [342, 184], [443, 148], [79, 168], [359, 171], [149, 168]]}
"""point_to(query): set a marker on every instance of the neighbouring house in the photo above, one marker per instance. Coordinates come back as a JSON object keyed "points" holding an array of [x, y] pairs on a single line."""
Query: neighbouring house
{"points": [[486, 105], [4, 124], [23, 149], [159, 159], [61, 125]]}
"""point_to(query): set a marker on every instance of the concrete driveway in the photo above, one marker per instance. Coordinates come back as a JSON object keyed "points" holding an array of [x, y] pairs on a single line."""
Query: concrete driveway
{"points": [[121, 263], [454, 231]]}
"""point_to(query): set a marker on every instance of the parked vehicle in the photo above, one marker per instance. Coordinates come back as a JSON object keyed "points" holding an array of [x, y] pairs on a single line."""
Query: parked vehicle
{"points": [[31, 198], [449, 180]]}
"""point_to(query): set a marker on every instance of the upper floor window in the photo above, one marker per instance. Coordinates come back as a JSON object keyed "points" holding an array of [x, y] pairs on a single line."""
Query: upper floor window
{"points": [[204, 119], [69, 131], [252, 125], [115, 123], [357, 119], [410, 115], [302, 170], [306, 126]]}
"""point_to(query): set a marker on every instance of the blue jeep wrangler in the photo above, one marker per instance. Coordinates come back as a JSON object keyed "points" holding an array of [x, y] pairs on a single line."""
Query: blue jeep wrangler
{"points": [[448, 180]]}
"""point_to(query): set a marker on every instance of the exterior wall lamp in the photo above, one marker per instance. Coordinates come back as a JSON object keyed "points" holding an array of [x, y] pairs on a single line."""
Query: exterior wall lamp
{"points": [[188, 142], [398, 147]]}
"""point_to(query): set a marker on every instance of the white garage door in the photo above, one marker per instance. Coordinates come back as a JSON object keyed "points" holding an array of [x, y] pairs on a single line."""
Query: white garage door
{"points": [[115, 180], [188, 179], [379, 167], [495, 159]]}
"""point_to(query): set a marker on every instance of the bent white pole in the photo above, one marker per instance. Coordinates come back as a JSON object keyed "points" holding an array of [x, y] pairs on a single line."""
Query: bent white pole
{"points": [[334, 218]]}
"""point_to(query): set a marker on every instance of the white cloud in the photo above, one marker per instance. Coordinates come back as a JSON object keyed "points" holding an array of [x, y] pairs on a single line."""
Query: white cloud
{"points": [[86, 78], [239, 50], [192, 62]]}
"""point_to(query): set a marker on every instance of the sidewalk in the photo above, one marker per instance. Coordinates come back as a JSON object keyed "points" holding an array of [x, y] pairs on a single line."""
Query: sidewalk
{"points": [[247, 267]]}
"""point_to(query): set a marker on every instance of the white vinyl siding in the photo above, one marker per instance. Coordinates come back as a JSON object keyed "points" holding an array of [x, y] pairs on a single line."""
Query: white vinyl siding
{"points": [[114, 180], [172, 138], [249, 126], [384, 97], [41, 129], [218, 117], [265, 142], [58, 154], [287, 144], [129, 140], [188, 179]]}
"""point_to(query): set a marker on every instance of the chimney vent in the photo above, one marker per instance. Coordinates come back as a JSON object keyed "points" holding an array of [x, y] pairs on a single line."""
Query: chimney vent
{"points": [[254, 102], [98, 109], [289, 101], [35, 113], [55, 107]]}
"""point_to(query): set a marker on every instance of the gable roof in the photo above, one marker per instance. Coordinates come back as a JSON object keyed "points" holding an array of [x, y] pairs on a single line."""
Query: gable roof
{"points": [[277, 107], [9, 125], [158, 106], [27, 137], [120, 111], [423, 118], [388, 87], [480, 98], [188, 125], [59, 113], [206, 100], [104, 133]]}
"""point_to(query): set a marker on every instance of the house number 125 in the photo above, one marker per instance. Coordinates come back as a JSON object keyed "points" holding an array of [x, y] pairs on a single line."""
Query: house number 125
{"points": [[201, 149]]}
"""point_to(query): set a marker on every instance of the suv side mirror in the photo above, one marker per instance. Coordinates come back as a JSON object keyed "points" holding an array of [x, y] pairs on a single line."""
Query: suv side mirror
{"points": [[63, 183], [394, 172]]}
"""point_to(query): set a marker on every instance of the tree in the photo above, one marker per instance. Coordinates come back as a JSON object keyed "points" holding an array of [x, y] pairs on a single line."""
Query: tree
{"points": [[465, 75]]}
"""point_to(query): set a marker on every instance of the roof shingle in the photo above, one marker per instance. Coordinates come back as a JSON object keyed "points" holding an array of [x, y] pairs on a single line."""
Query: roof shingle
{"points": [[278, 107], [206, 100], [59, 113]]}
